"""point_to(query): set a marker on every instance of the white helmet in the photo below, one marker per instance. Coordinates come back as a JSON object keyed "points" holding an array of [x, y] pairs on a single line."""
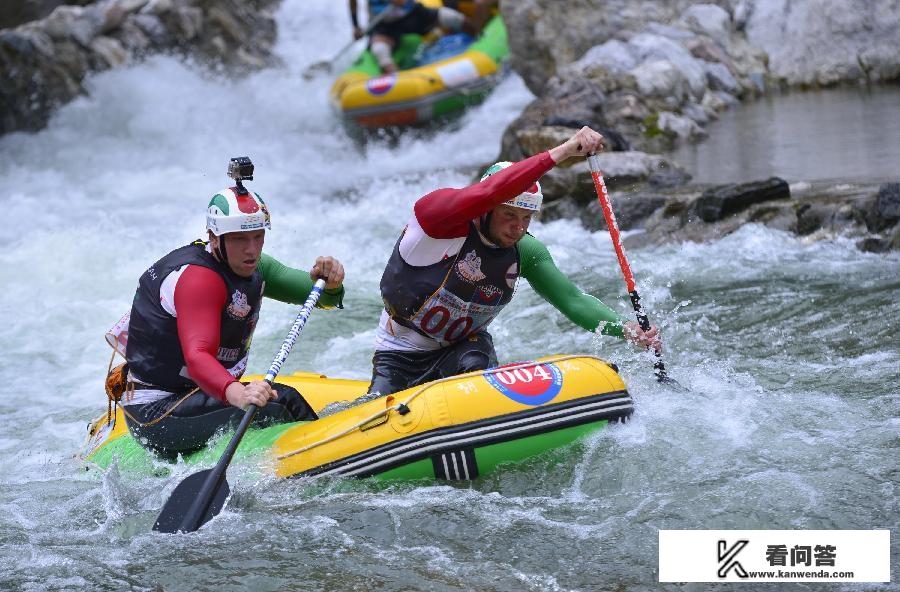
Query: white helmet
{"points": [[229, 211], [530, 199]]}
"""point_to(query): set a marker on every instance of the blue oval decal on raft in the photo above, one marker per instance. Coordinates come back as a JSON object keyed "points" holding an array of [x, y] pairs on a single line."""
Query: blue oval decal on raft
{"points": [[381, 85], [530, 385]]}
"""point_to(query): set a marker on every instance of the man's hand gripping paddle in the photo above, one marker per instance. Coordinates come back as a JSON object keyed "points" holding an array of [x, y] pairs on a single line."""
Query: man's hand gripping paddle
{"points": [[603, 197], [201, 496]]}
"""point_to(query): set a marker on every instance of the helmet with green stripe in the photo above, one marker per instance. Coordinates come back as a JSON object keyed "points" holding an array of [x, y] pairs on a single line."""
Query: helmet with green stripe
{"points": [[230, 211], [530, 199]]}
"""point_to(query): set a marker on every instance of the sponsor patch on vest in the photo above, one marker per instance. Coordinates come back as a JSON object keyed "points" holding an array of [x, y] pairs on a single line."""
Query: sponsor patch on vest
{"points": [[228, 354], [488, 294], [512, 274], [239, 307], [529, 385], [469, 269]]}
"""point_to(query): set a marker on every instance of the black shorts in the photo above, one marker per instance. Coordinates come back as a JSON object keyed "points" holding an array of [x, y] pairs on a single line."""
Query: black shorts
{"points": [[394, 371], [419, 20], [195, 420]]}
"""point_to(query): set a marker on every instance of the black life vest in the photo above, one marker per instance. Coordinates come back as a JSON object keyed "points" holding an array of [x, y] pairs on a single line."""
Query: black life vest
{"points": [[154, 352], [453, 298]]}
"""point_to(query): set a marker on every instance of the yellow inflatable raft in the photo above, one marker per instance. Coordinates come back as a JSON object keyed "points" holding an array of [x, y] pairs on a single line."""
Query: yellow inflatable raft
{"points": [[455, 428], [436, 78]]}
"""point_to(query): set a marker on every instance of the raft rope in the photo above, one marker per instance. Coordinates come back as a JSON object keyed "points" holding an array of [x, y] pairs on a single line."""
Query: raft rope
{"points": [[129, 394], [403, 408]]}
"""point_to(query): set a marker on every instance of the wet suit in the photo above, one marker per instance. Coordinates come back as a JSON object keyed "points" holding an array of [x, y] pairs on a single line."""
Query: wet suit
{"points": [[191, 326], [445, 282]]}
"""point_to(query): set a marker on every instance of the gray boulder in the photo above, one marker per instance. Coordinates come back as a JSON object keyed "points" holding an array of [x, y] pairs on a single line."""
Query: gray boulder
{"points": [[885, 210], [825, 42], [718, 202]]}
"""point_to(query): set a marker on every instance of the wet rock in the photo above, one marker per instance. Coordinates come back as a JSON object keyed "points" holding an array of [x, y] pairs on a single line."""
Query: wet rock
{"points": [[631, 209], [667, 176], [682, 128], [45, 61], [110, 51], [719, 202], [565, 127], [654, 48], [719, 77], [814, 217], [621, 170], [779, 217], [660, 78], [826, 42], [885, 211], [710, 20], [874, 244]]}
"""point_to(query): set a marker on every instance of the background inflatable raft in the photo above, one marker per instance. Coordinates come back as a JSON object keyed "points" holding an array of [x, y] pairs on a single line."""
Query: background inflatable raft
{"points": [[435, 78], [455, 428]]}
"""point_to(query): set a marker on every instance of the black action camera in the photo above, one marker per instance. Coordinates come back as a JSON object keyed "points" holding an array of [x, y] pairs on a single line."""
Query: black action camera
{"points": [[241, 168]]}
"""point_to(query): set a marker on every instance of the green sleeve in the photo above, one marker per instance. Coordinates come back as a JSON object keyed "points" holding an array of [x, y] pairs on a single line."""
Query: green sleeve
{"points": [[293, 285], [547, 280]]}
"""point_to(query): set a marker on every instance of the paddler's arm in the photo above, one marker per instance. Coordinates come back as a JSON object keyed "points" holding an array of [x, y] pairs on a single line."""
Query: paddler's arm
{"points": [[293, 285], [354, 20], [200, 297], [547, 280], [446, 213]]}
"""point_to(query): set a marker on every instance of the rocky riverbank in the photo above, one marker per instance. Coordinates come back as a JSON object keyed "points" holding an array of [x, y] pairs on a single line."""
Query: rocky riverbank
{"points": [[45, 61], [653, 74]]}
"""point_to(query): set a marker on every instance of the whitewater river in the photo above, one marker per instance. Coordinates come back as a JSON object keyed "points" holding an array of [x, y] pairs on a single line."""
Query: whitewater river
{"points": [[789, 349]]}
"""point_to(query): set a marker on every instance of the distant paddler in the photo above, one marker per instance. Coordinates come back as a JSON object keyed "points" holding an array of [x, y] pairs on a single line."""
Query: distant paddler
{"points": [[192, 321], [456, 264], [398, 18]]}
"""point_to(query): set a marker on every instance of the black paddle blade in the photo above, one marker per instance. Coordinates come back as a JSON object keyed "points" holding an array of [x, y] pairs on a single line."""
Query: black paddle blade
{"points": [[179, 514]]}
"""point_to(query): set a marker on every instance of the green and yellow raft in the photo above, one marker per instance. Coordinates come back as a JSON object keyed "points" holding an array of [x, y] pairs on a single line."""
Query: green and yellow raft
{"points": [[452, 429], [437, 77]]}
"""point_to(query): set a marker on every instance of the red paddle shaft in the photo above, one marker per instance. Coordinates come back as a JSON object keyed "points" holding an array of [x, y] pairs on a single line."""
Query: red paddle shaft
{"points": [[603, 197]]}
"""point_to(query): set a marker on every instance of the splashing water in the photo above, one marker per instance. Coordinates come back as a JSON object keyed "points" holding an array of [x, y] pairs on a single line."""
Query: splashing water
{"points": [[788, 349]]}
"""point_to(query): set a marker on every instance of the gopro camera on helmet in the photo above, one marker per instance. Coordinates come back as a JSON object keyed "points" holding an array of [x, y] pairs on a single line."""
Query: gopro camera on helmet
{"points": [[240, 169]]}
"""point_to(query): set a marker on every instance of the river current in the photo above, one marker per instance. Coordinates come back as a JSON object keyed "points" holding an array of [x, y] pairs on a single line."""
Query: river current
{"points": [[788, 348]]}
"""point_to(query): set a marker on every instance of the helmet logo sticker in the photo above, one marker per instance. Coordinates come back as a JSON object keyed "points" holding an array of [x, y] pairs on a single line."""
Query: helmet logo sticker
{"points": [[247, 204]]}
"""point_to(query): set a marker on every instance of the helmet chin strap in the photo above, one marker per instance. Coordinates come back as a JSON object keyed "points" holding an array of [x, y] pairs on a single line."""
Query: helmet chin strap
{"points": [[486, 227], [220, 252]]}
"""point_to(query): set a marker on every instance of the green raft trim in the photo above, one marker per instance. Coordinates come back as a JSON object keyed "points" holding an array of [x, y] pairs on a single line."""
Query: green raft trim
{"points": [[490, 457], [485, 443]]}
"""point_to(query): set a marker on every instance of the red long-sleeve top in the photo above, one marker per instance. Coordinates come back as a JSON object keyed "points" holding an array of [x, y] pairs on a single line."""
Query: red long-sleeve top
{"points": [[446, 213], [200, 298]]}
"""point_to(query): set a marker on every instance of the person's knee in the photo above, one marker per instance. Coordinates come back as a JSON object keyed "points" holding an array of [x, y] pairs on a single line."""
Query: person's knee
{"points": [[473, 360], [381, 49], [296, 408], [450, 19]]}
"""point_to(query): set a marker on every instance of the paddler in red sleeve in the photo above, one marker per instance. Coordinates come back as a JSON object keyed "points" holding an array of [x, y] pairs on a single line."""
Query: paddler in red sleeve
{"points": [[455, 267], [192, 322]]}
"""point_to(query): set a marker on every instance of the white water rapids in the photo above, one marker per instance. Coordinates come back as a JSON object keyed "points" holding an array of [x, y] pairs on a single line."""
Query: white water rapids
{"points": [[789, 349]]}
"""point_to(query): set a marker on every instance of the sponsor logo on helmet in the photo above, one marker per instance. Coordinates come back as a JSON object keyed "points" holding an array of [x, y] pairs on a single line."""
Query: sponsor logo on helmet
{"points": [[247, 204], [239, 307], [469, 268]]}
